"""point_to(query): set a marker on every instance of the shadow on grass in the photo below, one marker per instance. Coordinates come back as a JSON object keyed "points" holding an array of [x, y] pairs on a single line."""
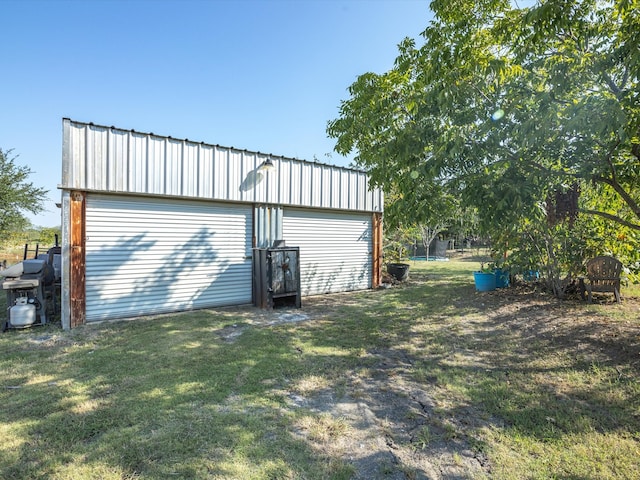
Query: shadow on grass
{"points": [[160, 398], [558, 374]]}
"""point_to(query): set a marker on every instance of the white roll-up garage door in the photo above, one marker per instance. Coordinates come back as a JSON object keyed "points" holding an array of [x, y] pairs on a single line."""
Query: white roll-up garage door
{"points": [[147, 256], [335, 249]]}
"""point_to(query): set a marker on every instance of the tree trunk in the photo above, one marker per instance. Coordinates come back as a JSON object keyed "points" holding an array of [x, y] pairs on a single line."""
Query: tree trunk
{"points": [[428, 234]]}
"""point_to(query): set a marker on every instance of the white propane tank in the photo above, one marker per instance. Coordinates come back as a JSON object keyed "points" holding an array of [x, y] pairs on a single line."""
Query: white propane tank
{"points": [[22, 313]]}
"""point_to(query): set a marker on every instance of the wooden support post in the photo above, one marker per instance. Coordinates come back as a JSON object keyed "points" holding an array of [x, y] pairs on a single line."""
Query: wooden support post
{"points": [[377, 250], [77, 259]]}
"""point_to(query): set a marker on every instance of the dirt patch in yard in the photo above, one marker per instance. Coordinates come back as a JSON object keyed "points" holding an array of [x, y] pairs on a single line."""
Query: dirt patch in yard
{"points": [[394, 429]]}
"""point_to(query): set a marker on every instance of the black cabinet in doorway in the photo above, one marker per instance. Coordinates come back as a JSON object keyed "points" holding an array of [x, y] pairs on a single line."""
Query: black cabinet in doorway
{"points": [[276, 277]]}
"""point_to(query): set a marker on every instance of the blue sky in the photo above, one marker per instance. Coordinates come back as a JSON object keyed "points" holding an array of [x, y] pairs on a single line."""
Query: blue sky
{"points": [[262, 75]]}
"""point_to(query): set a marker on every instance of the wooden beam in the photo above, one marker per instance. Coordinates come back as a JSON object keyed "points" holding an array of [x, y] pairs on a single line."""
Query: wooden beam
{"points": [[77, 293], [377, 250]]}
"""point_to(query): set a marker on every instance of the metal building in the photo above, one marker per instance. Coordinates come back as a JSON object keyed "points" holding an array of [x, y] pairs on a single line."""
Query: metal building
{"points": [[153, 224]]}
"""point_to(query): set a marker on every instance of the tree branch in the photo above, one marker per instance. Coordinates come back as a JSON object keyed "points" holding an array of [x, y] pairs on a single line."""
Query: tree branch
{"points": [[612, 167], [635, 150], [635, 208], [612, 182], [612, 85], [613, 218], [625, 77]]}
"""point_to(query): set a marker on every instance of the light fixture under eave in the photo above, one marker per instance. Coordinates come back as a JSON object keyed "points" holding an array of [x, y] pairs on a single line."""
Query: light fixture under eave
{"points": [[267, 166]]}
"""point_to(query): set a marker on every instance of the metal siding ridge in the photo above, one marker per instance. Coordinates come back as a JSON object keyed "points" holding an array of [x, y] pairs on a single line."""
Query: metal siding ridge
{"points": [[127, 169], [185, 171], [84, 163], [147, 167], [107, 161], [205, 171], [225, 172], [278, 197], [198, 171]]}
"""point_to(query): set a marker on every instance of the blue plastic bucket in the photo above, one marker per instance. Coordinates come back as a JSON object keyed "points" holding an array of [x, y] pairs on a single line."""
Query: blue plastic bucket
{"points": [[485, 282], [502, 278]]}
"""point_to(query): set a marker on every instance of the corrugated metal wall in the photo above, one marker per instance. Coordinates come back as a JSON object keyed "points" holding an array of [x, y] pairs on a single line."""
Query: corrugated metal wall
{"points": [[146, 255], [267, 225], [335, 249], [107, 159]]}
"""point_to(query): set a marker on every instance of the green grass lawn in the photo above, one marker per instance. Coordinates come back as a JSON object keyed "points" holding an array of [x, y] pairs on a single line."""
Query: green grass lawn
{"points": [[533, 387]]}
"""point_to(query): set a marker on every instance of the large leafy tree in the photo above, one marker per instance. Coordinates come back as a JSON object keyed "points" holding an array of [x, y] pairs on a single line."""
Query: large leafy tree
{"points": [[550, 90], [580, 66], [17, 195], [509, 107]]}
